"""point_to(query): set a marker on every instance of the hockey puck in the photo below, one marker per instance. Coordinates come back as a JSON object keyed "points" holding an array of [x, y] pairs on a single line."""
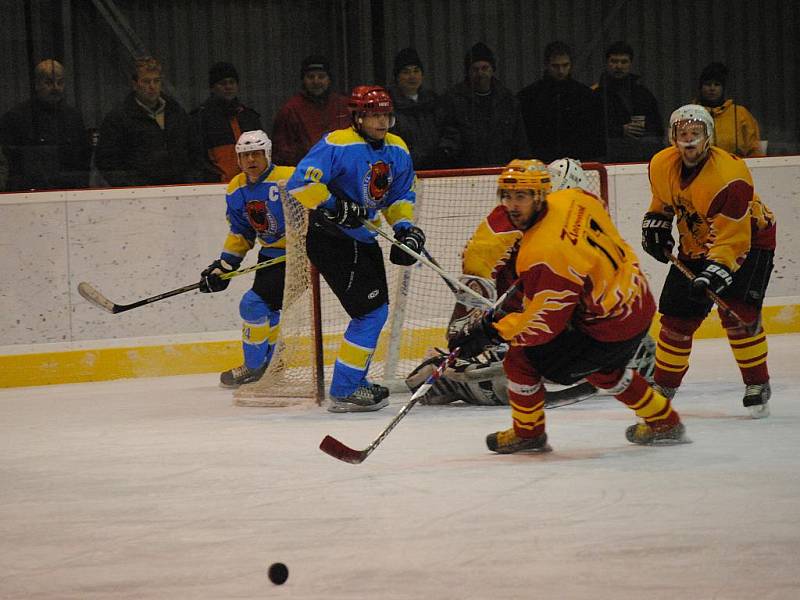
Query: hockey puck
{"points": [[278, 573]]}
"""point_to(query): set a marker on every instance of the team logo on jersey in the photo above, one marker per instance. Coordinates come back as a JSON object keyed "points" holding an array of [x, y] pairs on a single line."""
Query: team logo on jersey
{"points": [[377, 181], [260, 219]]}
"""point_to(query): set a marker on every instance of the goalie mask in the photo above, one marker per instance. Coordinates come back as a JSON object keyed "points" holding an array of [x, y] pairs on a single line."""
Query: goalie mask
{"points": [[567, 173]]}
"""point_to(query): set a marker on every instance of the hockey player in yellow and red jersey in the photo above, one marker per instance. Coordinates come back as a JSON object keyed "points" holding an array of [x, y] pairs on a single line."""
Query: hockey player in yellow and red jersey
{"points": [[726, 237], [585, 307]]}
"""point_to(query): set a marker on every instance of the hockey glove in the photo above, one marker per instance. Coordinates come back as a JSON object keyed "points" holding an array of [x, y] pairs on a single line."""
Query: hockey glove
{"points": [[210, 277], [714, 277], [475, 337], [414, 239], [657, 238], [348, 214]]}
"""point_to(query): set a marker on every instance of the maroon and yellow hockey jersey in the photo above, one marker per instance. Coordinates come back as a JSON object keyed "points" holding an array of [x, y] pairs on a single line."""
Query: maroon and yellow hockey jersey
{"points": [[576, 270], [719, 215]]}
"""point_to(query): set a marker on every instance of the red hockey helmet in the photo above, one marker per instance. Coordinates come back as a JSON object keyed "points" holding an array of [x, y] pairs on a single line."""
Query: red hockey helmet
{"points": [[369, 99]]}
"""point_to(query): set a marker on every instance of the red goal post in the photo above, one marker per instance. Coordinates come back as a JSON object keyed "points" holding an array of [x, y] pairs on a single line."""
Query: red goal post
{"points": [[450, 205]]}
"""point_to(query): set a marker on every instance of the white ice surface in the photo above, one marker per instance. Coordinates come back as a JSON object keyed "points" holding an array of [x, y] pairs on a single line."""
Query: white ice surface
{"points": [[161, 489]]}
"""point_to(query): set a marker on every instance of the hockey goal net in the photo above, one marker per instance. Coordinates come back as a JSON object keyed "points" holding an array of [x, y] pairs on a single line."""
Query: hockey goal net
{"points": [[450, 205]]}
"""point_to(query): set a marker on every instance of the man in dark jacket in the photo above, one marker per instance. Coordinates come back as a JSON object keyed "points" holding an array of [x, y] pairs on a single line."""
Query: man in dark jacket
{"points": [[44, 138], [634, 129], [562, 116], [484, 126], [417, 111], [221, 119], [149, 139]]}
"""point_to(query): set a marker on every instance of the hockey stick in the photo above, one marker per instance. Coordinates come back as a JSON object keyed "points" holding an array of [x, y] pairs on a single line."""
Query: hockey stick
{"points": [[330, 445], [452, 281], [570, 395], [95, 297], [713, 296]]}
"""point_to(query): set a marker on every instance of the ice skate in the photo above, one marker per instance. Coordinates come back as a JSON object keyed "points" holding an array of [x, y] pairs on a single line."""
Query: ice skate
{"points": [[756, 398], [379, 390], [364, 399], [655, 435], [241, 375], [507, 442]]}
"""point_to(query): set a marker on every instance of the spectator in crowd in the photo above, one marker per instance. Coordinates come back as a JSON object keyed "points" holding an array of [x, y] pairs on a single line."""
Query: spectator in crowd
{"points": [[634, 130], [315, 110], [418, 116], [562, 116], [222, 118], [483, 123], [149, 139], [736, 130], [44, 139]]}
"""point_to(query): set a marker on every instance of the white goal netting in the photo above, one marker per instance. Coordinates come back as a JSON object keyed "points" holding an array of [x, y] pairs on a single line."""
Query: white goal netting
{"points": [[450, 205]]}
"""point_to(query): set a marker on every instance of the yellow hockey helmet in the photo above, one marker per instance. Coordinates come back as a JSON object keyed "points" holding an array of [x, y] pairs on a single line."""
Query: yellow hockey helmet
{"points": [[524, 174]]}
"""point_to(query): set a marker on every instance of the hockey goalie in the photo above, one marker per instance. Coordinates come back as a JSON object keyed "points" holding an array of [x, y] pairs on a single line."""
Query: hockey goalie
{"points": [[486, 263]]}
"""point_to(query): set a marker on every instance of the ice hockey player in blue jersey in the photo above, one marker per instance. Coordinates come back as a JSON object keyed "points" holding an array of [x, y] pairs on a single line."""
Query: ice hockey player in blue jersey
{"points": [[347, 177], [255, 214]]}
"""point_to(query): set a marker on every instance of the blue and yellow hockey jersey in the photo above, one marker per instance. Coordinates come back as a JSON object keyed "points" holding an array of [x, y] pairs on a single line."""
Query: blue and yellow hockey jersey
{"points": [[264, 222], [344, 164]]}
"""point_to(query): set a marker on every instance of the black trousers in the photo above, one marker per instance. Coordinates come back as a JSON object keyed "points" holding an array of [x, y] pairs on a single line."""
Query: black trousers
{"points": [[354, 270]]}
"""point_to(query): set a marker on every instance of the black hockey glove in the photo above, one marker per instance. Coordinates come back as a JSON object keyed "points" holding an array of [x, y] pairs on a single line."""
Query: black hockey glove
{"points": [[475, 337], [713, 277], [348, 214], [414, 239], [657, 238], [210, 280]]}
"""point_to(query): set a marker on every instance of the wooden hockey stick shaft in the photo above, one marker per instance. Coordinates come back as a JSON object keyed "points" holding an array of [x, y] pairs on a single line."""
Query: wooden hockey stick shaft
{"points": [[333, 447], [713, 296], [453, 282], [95, 297]]}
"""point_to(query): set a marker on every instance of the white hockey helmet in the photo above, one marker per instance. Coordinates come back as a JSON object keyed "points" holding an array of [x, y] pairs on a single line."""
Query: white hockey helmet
{"points": [[692, 112], [255, 140], [567, 173]]}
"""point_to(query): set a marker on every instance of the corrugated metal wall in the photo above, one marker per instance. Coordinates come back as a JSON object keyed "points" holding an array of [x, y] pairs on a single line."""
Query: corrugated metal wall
{"points": [[267, 39]]}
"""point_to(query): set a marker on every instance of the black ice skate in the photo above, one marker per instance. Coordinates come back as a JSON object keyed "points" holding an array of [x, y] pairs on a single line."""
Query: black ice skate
{"points": [[241, 375], [756, 398], [365, 399], [507, 442], [653, 435]]}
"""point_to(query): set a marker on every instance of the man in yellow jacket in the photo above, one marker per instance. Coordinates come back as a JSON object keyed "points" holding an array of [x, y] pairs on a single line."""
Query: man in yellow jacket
{"points": [[736, 129]]}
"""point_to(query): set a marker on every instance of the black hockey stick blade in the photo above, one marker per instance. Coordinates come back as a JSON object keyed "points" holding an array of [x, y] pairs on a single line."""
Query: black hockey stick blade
{"points": [[330, 445], [571, 395]]}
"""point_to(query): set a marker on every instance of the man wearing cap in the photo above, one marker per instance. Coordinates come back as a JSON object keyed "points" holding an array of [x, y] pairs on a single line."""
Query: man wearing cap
{"points": [[483, 116], [222, 118], [306, 116], [417, 112]]}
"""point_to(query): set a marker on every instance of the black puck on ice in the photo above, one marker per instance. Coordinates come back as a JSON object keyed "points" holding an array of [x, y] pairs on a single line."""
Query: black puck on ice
{"points": [[278, 573]]}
